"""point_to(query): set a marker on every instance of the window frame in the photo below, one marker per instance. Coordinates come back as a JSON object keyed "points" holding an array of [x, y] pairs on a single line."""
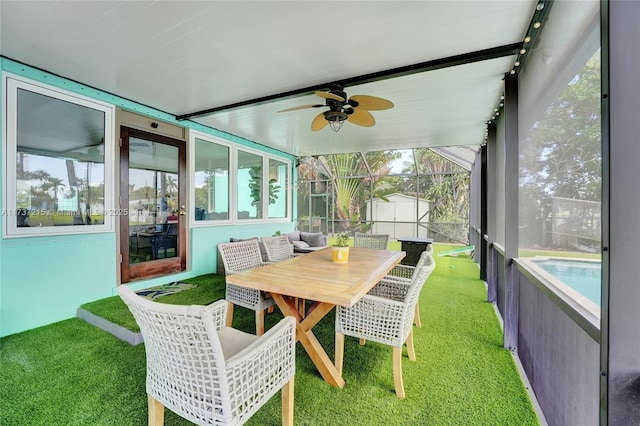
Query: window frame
{"points": [[11, 83], [192, 177], [284, 188], [233, 182]]}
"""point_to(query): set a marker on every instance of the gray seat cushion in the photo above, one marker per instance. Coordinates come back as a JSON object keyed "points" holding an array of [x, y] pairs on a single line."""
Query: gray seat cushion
{"points": [[314, 239], [308, 249], [233, 341], [300, 244], [293, 236]]}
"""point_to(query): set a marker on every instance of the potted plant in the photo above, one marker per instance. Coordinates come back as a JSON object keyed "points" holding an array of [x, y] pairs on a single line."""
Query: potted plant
{"points": [[340, 249]]}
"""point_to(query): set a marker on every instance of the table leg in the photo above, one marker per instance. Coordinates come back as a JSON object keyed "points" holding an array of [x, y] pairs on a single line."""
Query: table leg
{"points": [[309, 341]]}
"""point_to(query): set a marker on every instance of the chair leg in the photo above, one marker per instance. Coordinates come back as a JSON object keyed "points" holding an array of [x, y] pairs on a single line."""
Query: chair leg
{"points": [[287, 403], [156, 411], [416, 319], [339, 352], [397, 372], [229, 314], [260, 323], [411, 350]]}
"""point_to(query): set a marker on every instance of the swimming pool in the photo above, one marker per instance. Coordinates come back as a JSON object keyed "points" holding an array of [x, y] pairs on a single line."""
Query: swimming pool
{"points": [[582, 276]]}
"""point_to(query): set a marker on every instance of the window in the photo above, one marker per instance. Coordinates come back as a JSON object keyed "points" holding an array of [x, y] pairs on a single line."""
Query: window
{"points": [[278, 189], [211, 181], [249, 186], [561, 153], [231, 183], [57, 174]]}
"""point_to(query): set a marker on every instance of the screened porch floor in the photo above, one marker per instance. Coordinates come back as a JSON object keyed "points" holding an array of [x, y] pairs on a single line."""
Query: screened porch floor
{"points": [[74, 373]]}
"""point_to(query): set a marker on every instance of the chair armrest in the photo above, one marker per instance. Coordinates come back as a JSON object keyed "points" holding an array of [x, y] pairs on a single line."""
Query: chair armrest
{"points": [[397, 279], [394, 289], [402, 271], [380, 301], [219, 313], [258, 371], [373, 318], [374, 307], [231, 272], [281, 337]]}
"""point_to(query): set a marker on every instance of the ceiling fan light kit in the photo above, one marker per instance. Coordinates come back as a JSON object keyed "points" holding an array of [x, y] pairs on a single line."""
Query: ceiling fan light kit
{"points": [[355, 109]]}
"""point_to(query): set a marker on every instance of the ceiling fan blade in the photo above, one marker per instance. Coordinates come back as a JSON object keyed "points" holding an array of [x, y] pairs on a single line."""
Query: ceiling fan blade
{"points": [[361, 117], [329, 95], [301, 107], [319, 122], [371, 103]]}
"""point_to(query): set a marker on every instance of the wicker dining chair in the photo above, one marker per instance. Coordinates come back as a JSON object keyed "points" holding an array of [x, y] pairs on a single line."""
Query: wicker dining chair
{"points": [[373, 241], [239, 257], [429, 249], [278, 248], [405, 273], [209, 373], [386, 317]]}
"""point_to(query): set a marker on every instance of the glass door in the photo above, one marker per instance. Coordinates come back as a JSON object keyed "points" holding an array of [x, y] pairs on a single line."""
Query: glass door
{"points": [[153, 186]]}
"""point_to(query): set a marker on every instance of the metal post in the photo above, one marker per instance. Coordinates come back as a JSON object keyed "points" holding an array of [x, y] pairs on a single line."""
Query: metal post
{"points": [[620, 334], [490, 210], [482, 243], [511, 212]]}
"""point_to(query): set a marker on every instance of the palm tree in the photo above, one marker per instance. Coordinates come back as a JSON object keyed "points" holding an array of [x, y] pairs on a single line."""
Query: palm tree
{"points": [[55, 184], [171, 184]]}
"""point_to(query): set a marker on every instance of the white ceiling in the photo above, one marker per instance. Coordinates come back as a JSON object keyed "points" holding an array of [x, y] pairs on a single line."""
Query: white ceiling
{"points": [[186, 56]]}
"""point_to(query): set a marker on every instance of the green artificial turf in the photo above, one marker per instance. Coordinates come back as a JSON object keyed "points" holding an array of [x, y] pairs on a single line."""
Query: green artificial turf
{"points": [[73, 373], [209, 288]]}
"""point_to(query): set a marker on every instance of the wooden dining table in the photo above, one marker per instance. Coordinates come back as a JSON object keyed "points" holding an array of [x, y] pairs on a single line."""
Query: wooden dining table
{"points": [[314, 277]]}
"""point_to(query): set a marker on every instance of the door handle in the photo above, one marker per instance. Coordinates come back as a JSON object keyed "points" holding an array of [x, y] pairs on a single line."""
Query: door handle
{"points": [[181, 212]]}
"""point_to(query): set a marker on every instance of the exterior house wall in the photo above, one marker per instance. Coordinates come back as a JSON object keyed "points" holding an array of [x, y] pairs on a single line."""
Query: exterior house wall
{"points": [[45, 279]]}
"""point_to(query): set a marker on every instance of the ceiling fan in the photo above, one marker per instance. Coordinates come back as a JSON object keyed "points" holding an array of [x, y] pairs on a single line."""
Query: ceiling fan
{"points": [[354, 109]]}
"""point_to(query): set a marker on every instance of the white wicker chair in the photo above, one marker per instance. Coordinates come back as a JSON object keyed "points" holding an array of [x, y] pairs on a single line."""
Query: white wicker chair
{"points": [[239, 257], [405, 274], [209, 373], [374, 241], [385, 315], [429, 249], [278, 248]]}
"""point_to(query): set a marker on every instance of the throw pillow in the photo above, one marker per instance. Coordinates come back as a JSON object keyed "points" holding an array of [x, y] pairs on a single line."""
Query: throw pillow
{"points": [[294, 236], [314, 239], [300, 244]]}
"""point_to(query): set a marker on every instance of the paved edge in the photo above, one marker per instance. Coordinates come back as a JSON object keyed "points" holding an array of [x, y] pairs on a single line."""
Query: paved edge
{"points": [[120, 332]]}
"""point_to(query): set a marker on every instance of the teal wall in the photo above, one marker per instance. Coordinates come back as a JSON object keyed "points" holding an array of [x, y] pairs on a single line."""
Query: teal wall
{"points": [[45, 279], [204, 240]]}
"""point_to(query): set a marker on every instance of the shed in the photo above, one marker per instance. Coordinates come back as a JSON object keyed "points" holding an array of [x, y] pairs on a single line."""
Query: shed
{"points": [[397, 215]]}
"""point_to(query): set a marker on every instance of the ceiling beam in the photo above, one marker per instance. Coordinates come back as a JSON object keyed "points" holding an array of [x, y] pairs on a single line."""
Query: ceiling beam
{"points": [[436, 64]]}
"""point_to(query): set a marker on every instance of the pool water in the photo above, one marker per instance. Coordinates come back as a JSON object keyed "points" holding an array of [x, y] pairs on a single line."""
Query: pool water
{"points": [[584, 277]]}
